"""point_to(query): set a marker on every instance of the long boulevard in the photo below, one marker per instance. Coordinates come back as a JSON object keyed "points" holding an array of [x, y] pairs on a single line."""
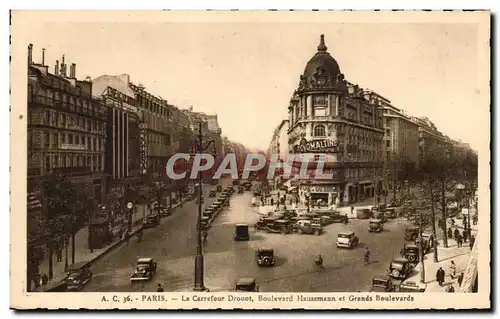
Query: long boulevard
{"points": [[173, 246]]}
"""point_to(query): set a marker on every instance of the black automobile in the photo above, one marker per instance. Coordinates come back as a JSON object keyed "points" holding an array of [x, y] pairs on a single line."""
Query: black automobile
{"points": [[78, 276], [265, 257], [382, 284], [412, 253], [400, 268], [212, 193], [381, 216], [247, 285], [241, 233], [411, 233], [391, 212], [337, 218], [152, 221], [144, 270], [280, 226]]}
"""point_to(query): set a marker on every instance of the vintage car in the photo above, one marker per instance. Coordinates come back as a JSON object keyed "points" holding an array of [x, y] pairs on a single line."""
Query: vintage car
{"points": [[381, 216], [219, 204], [241, 232], [205, 221], [248, 186], [382, 284], [264, 221], [412, 286], [394, 203], [400, 268], [241, 189], [247, 285], [347, 239], [78, 275], [218, 189], [308, 227], [375, 226], [411, 233], [144, 270], [212, 193], [325, 220], [279, 226], [335, 216], [265, 257], [257, 193], [428, 241], [412, 253], [152, 220], [391, 212], [364, 213]]}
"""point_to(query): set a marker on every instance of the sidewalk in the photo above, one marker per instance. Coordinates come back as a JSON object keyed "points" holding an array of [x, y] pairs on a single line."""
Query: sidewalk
{"points": [[460, 255], [82, 254]]}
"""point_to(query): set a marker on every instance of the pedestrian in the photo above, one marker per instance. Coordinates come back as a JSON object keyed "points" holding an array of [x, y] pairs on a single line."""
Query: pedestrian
{"points": [[45, 279], [459, 240], [38, 280], [450, 233], [452, 222], [450, 289], [272, 201], [159, 288], [464, 222], [471, 241], [352, 210], [474, 220], [460, 279], [456, 233], [464, 235], [440, 276], [453, 269]]}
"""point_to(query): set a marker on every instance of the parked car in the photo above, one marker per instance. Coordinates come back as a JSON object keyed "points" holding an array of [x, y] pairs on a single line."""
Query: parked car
{"points": [[152, 221], [241, 232], [212, 193], [347, 239], [400, 268], [165, 212], [78, 276], [391, 212], [376, 226], [428, 241], [380, 207], [144, 270], [308, 227], [412, 253], [411, 233], [247, 285], [364, 213], [265, 257], [279, 226], [382, 284], [264, 221], [205, 221]]}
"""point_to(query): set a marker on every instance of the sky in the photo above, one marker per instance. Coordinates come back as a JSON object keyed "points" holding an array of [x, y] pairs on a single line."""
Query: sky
{"points": [[246, 72]]}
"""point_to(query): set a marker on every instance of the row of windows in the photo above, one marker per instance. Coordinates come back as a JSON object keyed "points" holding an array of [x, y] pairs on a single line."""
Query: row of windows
{"points": [[71, 99], [94, 162], [152, 106], [55, 141], [159, 139], [68, 121]]}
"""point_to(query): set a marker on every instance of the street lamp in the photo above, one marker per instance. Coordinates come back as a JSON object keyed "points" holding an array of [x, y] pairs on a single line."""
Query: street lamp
{"points": [[199, 262]]}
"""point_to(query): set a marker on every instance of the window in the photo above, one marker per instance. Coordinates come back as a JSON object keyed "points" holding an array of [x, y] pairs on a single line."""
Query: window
{"points": [[70, 138], [46, 140], [319, 130], [388, 143], [319, 100]]}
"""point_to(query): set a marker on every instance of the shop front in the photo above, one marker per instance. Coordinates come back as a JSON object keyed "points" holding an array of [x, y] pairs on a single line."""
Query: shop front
{"points": [[320, 194]]}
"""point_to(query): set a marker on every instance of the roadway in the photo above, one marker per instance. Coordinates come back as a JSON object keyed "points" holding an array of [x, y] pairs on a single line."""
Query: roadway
{"points": [[173, 245]]}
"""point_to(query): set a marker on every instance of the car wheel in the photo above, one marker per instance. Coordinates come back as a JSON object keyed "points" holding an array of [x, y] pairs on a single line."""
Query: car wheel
{"points": [[300, 231], [395, 273], [283, 231], [412, 257], [316, 232]]}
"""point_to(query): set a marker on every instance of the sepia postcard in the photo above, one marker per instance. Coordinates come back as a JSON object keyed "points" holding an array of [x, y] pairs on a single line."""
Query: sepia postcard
{"points": [[250, 160]]}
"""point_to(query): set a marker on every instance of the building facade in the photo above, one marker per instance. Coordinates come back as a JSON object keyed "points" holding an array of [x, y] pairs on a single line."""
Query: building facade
{"points": [[330, 116], [431, 140], [279, 141], [66, 129], [401, 144]]}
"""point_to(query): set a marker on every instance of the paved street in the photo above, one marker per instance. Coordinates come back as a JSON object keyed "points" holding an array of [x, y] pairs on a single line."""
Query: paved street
{"points": [[173, 245]]}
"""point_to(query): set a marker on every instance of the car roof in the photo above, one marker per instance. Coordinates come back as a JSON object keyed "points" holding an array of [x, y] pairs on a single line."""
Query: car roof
{"points": [[144, 259], [246, 281], [241, 225], [382, 277], [375, 220], [413, 227], [400, 259], [346, 233], [266, 249], [280, 221]]}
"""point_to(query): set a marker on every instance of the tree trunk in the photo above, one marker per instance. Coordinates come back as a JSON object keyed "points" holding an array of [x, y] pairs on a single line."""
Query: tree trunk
{"points": [[433, 216], [443, 211], [51, 266]]}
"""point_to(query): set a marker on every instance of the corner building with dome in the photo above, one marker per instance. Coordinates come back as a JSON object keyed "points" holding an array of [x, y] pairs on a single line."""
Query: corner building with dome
{"points": [[330, 116]]}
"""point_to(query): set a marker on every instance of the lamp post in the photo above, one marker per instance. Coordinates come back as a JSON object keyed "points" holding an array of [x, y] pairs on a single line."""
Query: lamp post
{"points": [[199, 260]]}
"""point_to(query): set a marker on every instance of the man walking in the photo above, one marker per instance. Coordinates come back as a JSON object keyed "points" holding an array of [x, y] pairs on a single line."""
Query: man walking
{"points": [[459, 240], [440, 276]]}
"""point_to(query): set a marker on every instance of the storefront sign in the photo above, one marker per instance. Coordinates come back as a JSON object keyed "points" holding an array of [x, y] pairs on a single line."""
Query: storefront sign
{"points": [[323, 146], [321, 189]]}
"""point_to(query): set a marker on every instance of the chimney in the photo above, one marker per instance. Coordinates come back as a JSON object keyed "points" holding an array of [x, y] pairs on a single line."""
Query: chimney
{"points": [[63, 66], [30, 54], [56, 68], [72, 70], [43, 56]]}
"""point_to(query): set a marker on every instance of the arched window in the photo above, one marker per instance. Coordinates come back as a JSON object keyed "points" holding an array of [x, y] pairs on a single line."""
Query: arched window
{"points": [[319, 130]]}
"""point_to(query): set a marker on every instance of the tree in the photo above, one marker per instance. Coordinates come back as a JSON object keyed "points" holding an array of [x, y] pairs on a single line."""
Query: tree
{"points": [[60, 199]]}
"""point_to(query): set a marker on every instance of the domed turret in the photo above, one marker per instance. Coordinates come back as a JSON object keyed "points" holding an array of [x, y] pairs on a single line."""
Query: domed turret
{"points": [[322, 71]]}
